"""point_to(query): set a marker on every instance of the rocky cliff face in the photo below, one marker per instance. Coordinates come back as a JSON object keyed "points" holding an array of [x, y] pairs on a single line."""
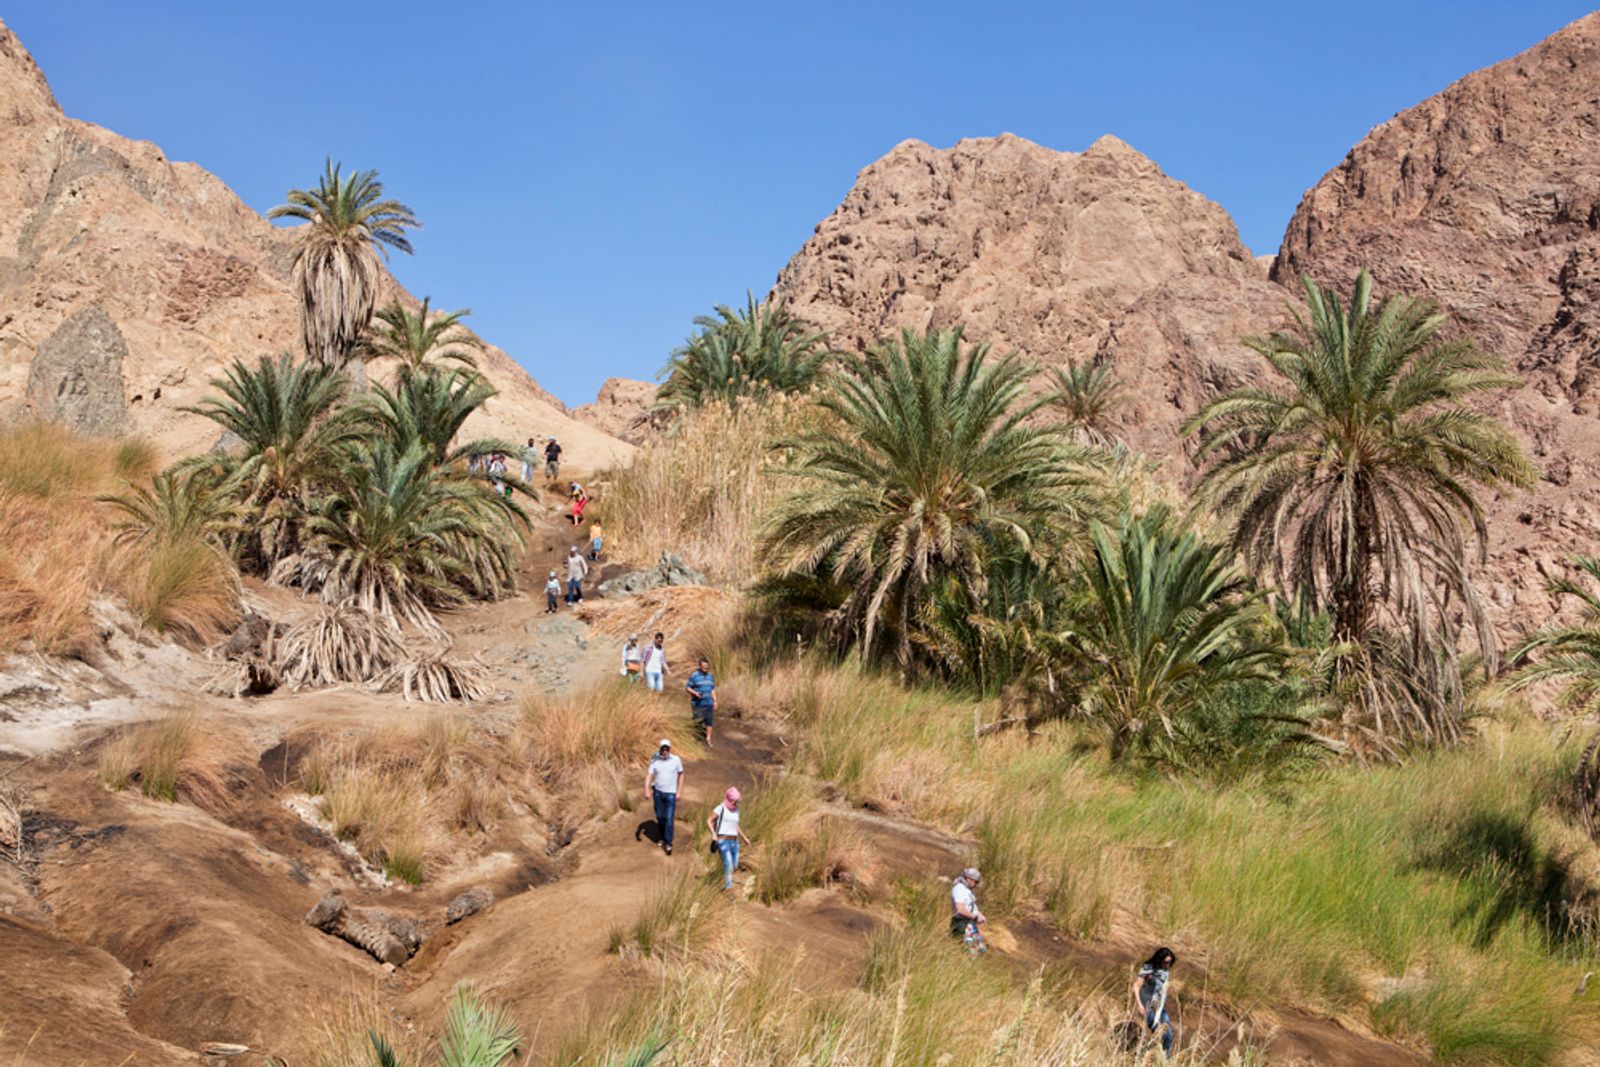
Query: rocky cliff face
{"points": [[127, 281], [622, 409], [1486, 198], [1060, 255]]}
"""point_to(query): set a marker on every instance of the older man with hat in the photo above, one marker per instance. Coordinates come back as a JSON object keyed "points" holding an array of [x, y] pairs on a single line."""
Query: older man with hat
{"points": [[662, 784], [965, 916]]}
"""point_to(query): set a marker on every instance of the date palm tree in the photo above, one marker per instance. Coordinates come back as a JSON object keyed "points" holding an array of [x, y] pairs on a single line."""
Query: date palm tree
{"points": [[430, 408], [1086, 395], [293, 436], [751, 351], [415, 340], [1355, 482], [937, 468], [348, 223]]}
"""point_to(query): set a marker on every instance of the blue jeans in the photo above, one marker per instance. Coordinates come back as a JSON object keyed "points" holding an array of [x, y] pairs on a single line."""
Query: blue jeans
{"points": [[574, 589], [666, 808], [729, 848], [1151, 1022], [653, 680]]}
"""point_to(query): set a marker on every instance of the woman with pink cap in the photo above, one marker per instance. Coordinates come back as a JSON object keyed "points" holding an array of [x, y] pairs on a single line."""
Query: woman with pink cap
{"points": [[724, 825]]}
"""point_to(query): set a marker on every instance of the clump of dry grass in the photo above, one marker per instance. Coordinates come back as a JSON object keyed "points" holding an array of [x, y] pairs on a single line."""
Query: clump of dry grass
{"points": [[674, 921], [672, 610], [382, 811], [701, 489], [613, 722], [182, 588], [168, 759]]}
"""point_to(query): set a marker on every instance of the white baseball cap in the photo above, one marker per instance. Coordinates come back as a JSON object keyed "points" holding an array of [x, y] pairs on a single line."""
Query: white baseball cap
{"points": [[665, 743]]}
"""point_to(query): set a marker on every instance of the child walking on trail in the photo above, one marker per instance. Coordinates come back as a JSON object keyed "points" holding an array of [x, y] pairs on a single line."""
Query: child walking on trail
{"points": [[965, 917], [724, 825], [663, 782], [552, 589], [1150, 988]]}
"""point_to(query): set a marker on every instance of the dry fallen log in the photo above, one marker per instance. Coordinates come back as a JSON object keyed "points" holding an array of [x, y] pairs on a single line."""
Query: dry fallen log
{"points": [[383, 934]]}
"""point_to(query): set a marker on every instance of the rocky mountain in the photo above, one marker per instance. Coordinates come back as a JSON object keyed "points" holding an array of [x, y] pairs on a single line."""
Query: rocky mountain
{"points": [[1486, 198], [1060, 255], [622, 409], [128, 280]]}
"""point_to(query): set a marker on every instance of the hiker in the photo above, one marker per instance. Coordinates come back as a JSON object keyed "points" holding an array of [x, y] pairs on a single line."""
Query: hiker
{"points": [[1149, 989], [552, 589], [597, 537], [702, 690], [497, 472], [530, 457], [579, 499], [552, 460], [577, 571], [662, 782], [724, 825], [632, 659], [655, 664], [965, 916]]}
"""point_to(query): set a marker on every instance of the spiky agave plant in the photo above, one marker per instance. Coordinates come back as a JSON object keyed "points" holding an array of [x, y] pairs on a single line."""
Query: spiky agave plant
{"points": [[416, 340], [1355, 484], [752, 351], [937, 468], [294, 435], [348, 223]]}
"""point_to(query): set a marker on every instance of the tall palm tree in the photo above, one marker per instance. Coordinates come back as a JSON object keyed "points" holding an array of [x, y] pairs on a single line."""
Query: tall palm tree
{"points": [[1168, 624], [1356, 483], [746, 352], [937, 468], [336, 266], [415, 340], [1087, 394], [430, 408], [294, 434]]}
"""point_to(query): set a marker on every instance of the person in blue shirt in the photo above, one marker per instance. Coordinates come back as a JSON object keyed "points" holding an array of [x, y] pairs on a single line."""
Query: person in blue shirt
{"points": [[702, 689]]}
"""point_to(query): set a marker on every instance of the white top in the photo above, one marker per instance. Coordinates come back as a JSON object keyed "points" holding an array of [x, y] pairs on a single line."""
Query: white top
{"points": [[655, 659], [961, 894], [630, 654], [665, 772], [727, 823]]}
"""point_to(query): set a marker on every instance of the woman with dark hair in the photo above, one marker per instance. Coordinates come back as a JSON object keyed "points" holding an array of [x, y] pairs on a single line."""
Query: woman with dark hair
{"points": [[1150, 988]]}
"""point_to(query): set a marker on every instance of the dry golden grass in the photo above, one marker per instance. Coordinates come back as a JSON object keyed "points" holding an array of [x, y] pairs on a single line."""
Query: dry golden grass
{"points": [[672, 610], [609, 723], [54, 539], [169, 759], [183, 589], [700, 490]]}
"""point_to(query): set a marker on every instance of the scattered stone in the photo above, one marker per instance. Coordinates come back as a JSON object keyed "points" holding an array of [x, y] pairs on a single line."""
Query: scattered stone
{"points": [[670, 570], [474, 900], [387, 937]]}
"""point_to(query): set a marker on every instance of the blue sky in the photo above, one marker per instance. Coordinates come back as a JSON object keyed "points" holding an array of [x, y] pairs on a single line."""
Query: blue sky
{"points": [[591, 176]]}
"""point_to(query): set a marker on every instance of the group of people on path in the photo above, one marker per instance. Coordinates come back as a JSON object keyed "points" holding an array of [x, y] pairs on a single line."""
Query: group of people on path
{"points": [[552, 459], [663, 783], [650, 661]]}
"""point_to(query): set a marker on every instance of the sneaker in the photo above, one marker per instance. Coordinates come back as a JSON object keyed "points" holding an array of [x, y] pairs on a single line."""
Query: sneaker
{"points": [[669, 849]]}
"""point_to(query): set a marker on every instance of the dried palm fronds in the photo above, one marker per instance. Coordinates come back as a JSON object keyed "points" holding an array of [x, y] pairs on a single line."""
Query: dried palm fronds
{"points": [[343, 643], [433, 677]]}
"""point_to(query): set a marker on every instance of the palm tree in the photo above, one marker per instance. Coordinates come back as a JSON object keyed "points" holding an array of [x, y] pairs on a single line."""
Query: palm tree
{"points": [[293, 433], [1167, 626], [749, 352], [401, 536], [181, 505], [1356, 484], [430, 408], [1086, 394], [937, 469], [336, 266], [415, 340], [1570, 653]]}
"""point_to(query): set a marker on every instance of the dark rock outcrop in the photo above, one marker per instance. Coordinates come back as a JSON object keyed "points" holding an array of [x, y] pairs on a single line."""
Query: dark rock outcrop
{"points": [[75, 378]]}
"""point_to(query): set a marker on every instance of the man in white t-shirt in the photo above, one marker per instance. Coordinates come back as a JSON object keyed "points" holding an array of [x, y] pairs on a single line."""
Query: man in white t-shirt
{"points": [[655, 663], [965, 916], [662, 782]]}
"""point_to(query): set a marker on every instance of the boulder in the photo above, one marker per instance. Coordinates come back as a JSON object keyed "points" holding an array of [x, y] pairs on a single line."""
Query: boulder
{"points": [[669, 570], [75, 378]]}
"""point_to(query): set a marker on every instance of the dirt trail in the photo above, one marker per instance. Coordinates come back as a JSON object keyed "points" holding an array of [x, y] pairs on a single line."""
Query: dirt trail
{"points": [[150, 928]]}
